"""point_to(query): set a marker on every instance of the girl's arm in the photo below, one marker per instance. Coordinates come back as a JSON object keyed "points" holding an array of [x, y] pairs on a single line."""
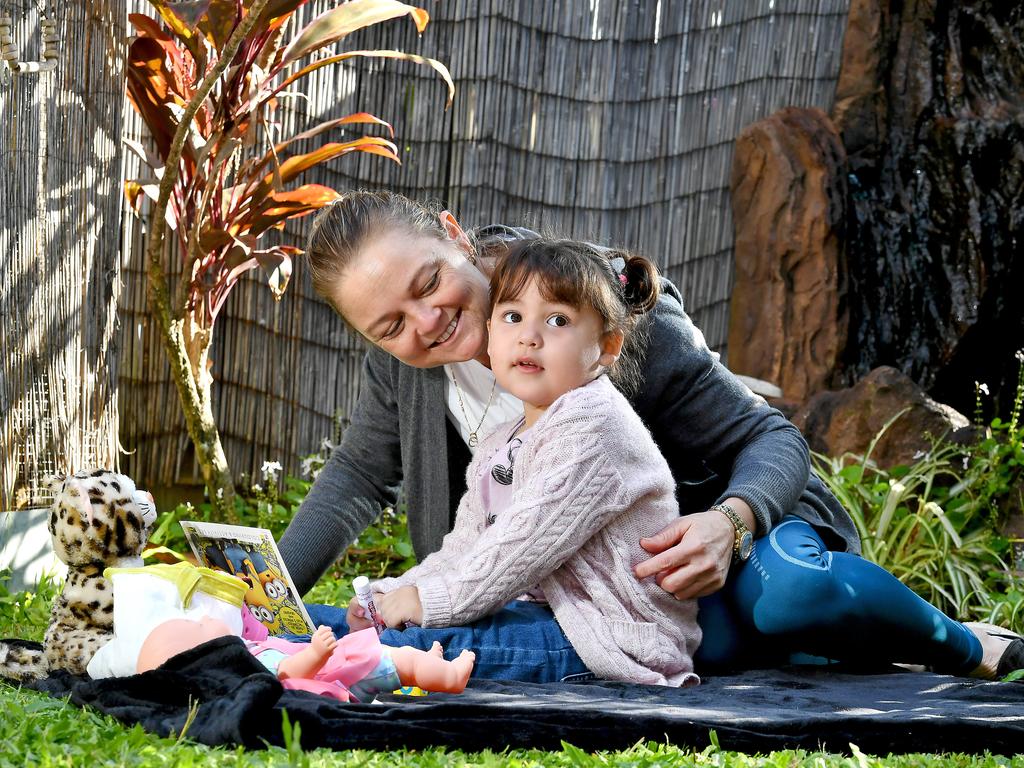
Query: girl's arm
{"points": [[469, 520]]}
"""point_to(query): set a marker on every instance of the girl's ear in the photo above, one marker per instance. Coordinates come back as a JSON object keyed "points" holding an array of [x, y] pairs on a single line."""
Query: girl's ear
{"points": [[611, 348], [456, 233]]}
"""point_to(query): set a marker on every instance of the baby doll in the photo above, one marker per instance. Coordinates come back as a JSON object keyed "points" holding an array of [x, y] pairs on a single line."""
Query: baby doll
{"points": [[355, 667]]}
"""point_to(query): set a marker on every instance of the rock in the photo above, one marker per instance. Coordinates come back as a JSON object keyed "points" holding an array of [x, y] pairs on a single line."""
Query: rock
{"points": [[788, 317], [930, 109], [848, 420]]}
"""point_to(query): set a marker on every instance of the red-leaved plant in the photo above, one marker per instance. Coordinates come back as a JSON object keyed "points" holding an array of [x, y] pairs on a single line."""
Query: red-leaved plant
{"points": [[206, 77]]}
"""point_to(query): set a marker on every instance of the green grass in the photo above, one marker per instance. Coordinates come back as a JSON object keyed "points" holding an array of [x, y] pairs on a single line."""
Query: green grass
{"points": [[38, 730]]}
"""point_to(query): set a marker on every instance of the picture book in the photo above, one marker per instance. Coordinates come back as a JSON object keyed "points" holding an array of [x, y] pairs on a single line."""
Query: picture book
{"points": [[251, 554]]}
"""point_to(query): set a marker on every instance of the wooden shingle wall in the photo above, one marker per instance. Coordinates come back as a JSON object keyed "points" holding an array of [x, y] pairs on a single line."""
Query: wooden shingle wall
{"points": [[610, 120], [60, 204]]}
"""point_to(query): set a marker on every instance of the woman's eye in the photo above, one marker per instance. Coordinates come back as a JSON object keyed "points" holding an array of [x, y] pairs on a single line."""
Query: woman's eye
{"points": [[558, 321], [432, 282], [511, 317], [392, 331]]}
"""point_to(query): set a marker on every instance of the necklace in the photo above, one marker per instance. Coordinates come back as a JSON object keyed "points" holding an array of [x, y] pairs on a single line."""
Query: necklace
{"points": [[473, 439]]}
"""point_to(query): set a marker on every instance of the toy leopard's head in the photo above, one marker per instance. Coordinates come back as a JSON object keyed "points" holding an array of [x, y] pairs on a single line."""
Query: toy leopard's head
{"points": [[98, 517]]}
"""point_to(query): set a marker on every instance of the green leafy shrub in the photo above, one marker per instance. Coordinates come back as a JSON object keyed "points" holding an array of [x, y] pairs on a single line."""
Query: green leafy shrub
{"points": [[936, 524], [26, 613]]}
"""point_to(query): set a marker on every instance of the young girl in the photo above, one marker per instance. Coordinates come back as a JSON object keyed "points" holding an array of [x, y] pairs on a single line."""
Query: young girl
{"points": [[558, 500]]}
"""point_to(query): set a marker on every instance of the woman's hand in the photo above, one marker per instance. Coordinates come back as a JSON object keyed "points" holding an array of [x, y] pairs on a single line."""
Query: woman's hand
{"points": [[399, 607], [356, 617], [692, 555]]}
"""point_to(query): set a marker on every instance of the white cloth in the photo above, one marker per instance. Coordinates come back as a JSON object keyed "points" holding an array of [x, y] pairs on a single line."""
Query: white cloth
{"points": [[141, 602], [475, 382]]}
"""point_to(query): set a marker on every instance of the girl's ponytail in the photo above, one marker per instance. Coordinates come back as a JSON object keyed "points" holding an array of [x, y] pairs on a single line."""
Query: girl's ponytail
{"points": [[640, 288]]}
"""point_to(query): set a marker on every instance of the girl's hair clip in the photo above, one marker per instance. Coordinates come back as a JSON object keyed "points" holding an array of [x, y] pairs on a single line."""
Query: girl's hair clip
{"points": [[622, 279]]}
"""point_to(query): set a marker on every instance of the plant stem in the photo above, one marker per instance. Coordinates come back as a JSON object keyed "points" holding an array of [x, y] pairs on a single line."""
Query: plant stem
{"points": [[191, 380]]}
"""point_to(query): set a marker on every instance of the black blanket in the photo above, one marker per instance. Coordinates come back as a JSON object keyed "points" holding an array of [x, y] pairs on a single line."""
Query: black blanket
{"points": [[241, 703]]}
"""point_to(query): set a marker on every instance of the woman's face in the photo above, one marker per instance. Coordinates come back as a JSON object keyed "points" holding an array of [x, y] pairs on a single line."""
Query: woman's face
{"points": [[418, 297]]}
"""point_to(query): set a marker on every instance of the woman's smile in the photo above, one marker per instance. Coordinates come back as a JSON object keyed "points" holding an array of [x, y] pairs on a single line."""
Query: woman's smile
{"points": [[449, 331]]}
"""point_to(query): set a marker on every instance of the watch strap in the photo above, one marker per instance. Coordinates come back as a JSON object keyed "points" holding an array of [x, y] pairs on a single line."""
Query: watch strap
{"points": [[737, 523]]}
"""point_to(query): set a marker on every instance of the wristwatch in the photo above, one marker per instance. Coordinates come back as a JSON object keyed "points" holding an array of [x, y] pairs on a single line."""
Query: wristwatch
{"points": [[744, 542]]}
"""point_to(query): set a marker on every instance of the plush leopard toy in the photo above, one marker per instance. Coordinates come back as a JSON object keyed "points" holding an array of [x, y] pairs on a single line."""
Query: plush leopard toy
{"points": [[98, 520]]}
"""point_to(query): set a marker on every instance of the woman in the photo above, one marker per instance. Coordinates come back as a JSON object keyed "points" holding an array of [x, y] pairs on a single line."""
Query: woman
{"points": [[415, 285]]}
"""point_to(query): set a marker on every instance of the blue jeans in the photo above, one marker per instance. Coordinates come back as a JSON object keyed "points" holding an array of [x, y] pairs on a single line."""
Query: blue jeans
{"points": [[521, 642], [795, 601]]}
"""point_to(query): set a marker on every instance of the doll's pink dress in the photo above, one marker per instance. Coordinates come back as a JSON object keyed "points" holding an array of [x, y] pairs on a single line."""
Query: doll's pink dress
{"points": [[358, 668]]}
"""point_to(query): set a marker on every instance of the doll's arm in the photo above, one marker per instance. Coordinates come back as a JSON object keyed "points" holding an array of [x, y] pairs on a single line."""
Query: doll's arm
{"points": [[307, 662]]}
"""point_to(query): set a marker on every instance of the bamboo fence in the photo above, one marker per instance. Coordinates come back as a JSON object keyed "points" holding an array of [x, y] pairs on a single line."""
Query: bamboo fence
{"points": [[60, 166], [611, 120]]}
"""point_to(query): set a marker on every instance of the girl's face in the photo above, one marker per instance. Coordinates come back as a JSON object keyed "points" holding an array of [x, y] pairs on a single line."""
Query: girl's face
{"points": [[417, 297], [541, 349]]}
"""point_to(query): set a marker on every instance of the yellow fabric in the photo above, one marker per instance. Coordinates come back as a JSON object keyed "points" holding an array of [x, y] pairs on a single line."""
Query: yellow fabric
{"points": [[189, 578]]}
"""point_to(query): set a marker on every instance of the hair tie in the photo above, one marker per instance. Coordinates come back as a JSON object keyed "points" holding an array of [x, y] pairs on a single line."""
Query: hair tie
{"points": [[618, 265]]}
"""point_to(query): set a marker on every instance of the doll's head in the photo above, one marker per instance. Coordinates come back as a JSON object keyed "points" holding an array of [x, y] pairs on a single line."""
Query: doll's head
{"points": [[562, 313], [176, 636]]}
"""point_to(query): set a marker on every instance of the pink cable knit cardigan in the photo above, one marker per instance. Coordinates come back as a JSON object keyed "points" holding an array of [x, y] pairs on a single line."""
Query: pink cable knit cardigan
{"points": [[589, 483]]}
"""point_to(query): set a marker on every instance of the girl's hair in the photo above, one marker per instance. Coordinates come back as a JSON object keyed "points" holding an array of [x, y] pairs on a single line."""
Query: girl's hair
{"points": [[620, 286], [342, 228]]}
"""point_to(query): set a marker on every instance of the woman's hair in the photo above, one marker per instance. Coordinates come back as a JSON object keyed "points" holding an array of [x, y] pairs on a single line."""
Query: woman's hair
{"points": [[342, 228], [621, 288]]}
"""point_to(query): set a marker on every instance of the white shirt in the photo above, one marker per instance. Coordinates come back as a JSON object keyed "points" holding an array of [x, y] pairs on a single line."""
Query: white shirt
{"points": [[475, 382]]}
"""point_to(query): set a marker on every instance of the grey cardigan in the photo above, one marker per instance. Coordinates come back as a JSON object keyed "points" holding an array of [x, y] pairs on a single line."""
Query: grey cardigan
{"points": [[720, 440]]}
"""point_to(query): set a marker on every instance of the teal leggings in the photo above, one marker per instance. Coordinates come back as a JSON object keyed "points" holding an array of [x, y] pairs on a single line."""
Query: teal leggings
{"points": [[794, 598]]}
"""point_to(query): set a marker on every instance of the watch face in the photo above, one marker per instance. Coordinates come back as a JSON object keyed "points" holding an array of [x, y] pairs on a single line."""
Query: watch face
{"points": [[746, 545]]}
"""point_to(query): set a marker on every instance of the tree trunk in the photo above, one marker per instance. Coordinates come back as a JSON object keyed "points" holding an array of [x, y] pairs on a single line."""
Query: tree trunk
{"points": [[188, 352]]}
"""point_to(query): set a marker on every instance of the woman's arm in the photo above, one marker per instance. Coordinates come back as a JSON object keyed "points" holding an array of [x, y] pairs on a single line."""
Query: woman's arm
{"points": [[703, 416], [361, 477]]}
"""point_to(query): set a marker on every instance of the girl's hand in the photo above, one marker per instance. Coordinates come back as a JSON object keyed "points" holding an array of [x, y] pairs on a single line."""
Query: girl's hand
{"points": [[400, 606], [356, 617]]}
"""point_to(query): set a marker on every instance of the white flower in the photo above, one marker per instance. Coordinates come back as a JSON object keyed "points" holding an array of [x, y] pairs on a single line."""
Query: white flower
{"points": [[966, 460], [306, 467], [256, 487], [270, 469], [1020, 355], [326, 446], [897, 487], [220, 493], [983, 388], [920, 455]]}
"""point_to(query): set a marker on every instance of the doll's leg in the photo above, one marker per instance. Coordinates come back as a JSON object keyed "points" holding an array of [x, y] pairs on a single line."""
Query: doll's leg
{"points": [[431, 672]]}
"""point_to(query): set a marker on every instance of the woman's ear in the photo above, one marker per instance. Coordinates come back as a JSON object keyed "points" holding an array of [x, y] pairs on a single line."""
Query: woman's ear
{"points": [[456, 233], [611, 348]]}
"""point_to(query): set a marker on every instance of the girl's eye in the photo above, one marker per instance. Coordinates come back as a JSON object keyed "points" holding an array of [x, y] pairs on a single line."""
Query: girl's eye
{"points": [[558, 321], [511, 317]]}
